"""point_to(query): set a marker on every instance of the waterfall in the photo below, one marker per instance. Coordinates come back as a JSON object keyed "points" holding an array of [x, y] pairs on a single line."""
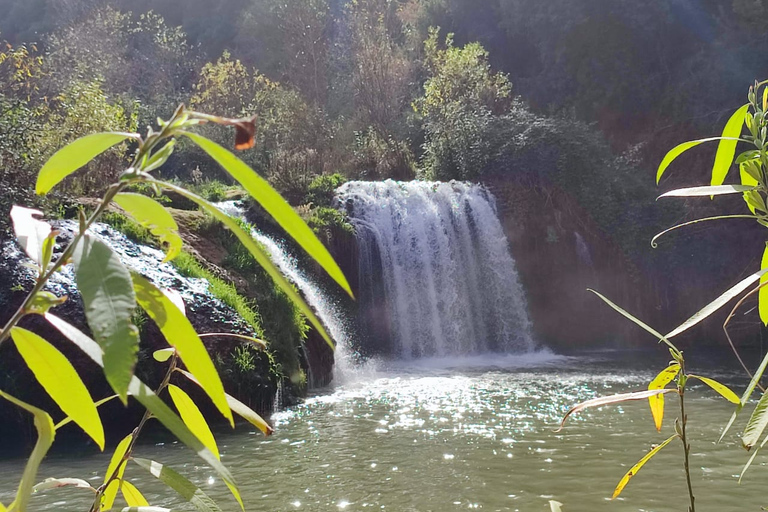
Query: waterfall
{"points": [[436, 275]]}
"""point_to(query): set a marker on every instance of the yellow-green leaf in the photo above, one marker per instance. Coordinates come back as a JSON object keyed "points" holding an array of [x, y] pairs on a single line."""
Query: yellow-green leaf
{"points": [[105, 285], [163, 354], [132, 496], [722, 389], [258, 253], [180, 484], [680, 149], [182, 336], [68, 419], [45, 435], [58, 377], [762, 297], [634, 469], [745, 396], [657, 401], [726, 149], [275, 205], [117, 468], [193, 418], [153, 216], [75, 155]]}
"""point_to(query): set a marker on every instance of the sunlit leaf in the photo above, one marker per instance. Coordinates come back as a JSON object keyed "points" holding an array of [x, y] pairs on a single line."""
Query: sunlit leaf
{"points": [[745, 396], [147, 398], [180, 484], [657, 401], [275, 205], [634, 469], [105, 285], [721, 389], [45, 435], [697, 221], [762, 297], [258, 254], [726, 149], [239, 408], [752, 458], [31, 233], [707, 191], [613, 399], [756, 424], [159, 157], [163, 354], [256, 341], [115, 472], [680, 149], [193, 418], [183, 337], [719, 302], [55, 483], [146, 509], [68, 419], [43, 301], [75, 155], [555, 506], [153, 216], [132, 496], [58, 377]]}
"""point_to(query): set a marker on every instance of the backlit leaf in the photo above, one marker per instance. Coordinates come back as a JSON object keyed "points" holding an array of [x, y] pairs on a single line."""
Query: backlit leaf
{"points": [[45, 436], [613, 399], [107, 292], [163, 354], [726, 149], [555, 506], [745, 396], [115, 471], [132, 496], [657, 401], [180, 484], [75, 155], [68, 419], [146, 509], [697, 221], [258, 253], [721, 389], [31, 233], [756, 424], [707, 191], [752, 458], [58, 377], [193, 418], [762, 297], [182, 336], [680, 149], [719, 302], [153, 216], [55, 483], [275, 205], [634, 469]]}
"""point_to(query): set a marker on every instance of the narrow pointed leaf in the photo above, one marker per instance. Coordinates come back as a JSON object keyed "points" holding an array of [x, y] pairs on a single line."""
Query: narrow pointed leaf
{"points": [[148, 399], [678, 150], [107, 292], [273, 203], [726, 149], [146, 509], [68, 419], [45, 435], [258, 254], [238, 408], [193, 418], [182, 336], [719, 302], [657, 401], [117, 468], [745, 396], [555, 506], [75, 155], [707, 191], [58, 377], [762, 295], [692, 222], [55, 483], [180, 484], [752, 458], [756, 424], [637, 467], [31, 233], [153, 216], [132, 496], [613, 399], [721, 389]]}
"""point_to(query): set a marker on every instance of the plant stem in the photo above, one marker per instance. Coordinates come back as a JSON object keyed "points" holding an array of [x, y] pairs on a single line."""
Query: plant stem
{"points": [[686, 445]]}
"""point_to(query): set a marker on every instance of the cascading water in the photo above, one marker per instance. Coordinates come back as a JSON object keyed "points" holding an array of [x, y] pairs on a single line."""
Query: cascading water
{"points": [[435, 269]]}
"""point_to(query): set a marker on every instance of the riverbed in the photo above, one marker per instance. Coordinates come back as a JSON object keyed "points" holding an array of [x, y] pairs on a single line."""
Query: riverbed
{"points": [[460, 434]]}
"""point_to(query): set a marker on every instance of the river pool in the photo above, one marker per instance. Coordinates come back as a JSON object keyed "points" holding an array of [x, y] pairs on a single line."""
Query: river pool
{"points": [[470, 434]]}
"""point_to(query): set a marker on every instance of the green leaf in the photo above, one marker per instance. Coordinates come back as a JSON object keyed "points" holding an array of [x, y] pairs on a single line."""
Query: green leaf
{"points": [[105, 285], [707, 191], [238, 408], [756, 424], [690, 223], [613, 399], [719, 302], [132, 496], [637, 321], [163, 354], [637, 467], [182, 336], [258, 253], [180, 484], [58, 377], [75, 155], [657, 401], [722, 389], [680, 149], [273, 203], [762, 297], [148, 399], [98, 404], [752, 458], [55, 483], [116, 469], [43, 301], [45, 436], [31, 233], [159, 157], [745, 396], [726, 150], [193, 418], [151, 214]]}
